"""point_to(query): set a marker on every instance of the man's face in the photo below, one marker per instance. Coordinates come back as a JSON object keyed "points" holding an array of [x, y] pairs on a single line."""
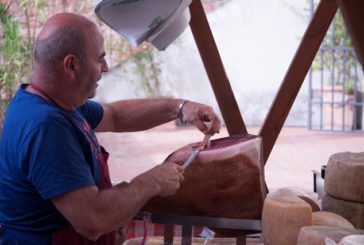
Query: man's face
{"points": [[94, 64]]}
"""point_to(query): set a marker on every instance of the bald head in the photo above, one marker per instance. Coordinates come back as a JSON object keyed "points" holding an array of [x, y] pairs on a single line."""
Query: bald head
{"points": [[62, 34]]}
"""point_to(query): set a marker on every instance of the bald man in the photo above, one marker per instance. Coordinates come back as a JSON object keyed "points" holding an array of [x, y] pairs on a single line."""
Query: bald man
{"points": [[54, 180]]}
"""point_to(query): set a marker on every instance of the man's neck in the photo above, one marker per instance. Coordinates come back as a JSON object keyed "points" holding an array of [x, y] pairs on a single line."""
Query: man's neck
{"points": [[53, 94]]}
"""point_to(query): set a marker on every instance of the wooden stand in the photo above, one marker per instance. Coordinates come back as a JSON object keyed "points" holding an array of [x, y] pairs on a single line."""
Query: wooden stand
{"points": [[353, 13], [187, 222]]}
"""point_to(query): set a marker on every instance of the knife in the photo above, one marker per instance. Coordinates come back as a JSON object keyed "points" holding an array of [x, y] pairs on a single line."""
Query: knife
{"points": [[195, 152], [190, 159]]}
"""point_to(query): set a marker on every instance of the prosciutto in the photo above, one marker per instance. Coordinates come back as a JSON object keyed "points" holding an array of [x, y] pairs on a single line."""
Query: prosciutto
{"points": [[225, 180]]}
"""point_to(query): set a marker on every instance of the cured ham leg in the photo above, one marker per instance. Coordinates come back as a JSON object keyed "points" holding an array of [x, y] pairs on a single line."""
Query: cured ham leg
{"points": [[225, 180]]}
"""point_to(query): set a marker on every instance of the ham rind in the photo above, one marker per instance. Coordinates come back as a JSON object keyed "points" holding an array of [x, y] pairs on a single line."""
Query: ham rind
{"points": [[225, 180]]}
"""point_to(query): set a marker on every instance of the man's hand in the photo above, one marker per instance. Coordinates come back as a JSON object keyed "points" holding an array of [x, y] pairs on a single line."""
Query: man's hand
{"points": [[168, 178], [202, 116]]}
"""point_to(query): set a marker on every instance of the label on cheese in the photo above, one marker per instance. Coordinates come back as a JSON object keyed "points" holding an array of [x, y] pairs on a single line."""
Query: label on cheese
{"points": [[318, 235], [352, 240]]}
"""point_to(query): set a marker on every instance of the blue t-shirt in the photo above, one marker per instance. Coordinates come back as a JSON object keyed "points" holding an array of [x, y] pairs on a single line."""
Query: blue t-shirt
{"points": [[44, 152]]}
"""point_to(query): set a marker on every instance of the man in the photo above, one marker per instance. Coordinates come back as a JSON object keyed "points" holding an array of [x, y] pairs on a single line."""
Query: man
{"points": [[54, 181]]}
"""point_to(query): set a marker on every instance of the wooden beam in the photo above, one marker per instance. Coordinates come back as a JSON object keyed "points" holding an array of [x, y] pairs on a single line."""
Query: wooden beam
{"points": [[353, 13], [215, 70], [296, 74]]}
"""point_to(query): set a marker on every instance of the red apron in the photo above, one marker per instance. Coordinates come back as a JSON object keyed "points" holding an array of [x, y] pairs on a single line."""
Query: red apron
{"points": [[68, 235]]}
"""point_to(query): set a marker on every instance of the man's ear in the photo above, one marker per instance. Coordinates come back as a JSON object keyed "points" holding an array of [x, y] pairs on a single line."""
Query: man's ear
{"points": [[70, 63]]}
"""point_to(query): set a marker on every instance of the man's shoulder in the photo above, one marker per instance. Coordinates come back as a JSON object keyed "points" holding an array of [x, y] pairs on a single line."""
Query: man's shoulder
{"points": [[32, 110]]}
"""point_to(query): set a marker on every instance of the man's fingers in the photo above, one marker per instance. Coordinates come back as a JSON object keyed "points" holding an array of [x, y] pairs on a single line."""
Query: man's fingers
{"points": [[203, 117], [201, 126], [181, 177], [179, 168]]}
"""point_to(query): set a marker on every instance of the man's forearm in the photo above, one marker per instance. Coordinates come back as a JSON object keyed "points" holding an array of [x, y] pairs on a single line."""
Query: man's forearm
{"points": [[93, 213], [138, 114], [117, 206]]}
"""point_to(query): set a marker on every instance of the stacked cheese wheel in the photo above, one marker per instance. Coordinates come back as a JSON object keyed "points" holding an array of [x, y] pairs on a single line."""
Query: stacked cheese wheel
{"points": [[344, 186], [289, 220]]}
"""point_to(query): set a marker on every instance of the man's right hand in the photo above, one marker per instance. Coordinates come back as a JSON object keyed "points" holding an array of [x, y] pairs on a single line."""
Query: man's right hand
{"points": [[168, 177]]}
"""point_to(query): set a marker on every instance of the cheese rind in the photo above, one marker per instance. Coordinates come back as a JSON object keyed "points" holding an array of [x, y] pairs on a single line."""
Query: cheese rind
{"points": [[344, 176], [352, 211], [325, 218], [283, 217]]}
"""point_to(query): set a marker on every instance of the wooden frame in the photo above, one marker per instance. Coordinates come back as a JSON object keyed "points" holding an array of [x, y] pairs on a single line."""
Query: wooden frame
{"points": [[353, 12]]}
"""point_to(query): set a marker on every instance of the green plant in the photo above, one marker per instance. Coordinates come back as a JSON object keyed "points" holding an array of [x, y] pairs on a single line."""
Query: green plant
{"points": [[20, 20], [349, 87], [148, 71], [336, 55], [12, 59]]}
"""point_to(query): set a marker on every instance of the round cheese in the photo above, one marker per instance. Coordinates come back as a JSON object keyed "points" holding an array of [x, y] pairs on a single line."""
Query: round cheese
{"points": [[314, 206], [325, 218], [352, 211], [310, 197], [344, 176], [283, 217], [317, 235]]}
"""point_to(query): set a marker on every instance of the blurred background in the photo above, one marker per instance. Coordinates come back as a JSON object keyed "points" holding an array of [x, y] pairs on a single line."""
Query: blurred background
{"points": [[257, 40]]}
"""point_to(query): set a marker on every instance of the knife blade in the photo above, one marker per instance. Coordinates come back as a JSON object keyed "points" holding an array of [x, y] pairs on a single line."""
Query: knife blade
{"points": [[190, 159], [195, 153]]}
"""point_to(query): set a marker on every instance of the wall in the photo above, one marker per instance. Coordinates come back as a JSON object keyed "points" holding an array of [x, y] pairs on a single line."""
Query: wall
{"points": [[257, 40]]}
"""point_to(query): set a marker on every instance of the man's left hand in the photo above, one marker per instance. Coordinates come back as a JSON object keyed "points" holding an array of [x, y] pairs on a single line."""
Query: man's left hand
{"points": [[202, 116]]}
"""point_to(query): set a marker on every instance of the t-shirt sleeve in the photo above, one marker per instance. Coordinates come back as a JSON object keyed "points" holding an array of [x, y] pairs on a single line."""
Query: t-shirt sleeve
{"points": [[60, 166], [93, 112]]}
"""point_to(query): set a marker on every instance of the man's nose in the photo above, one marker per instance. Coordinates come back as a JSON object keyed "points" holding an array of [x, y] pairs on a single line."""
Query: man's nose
{"points": [[105, 67]]}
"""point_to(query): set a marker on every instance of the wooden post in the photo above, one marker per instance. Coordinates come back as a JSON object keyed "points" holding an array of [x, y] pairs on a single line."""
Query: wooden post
{"points": [[296, 74], [215, 70], [353, 13]]}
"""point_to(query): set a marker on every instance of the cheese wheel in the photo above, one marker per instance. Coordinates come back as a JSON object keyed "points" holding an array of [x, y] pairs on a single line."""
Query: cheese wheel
{"points": [[324, 218], [344, 176], [352, 211], [282, 218], [310, 197], [314, 206], [316, 235], [352, 240]]}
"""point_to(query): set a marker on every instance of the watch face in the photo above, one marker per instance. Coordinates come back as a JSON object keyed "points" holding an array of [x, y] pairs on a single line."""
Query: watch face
{"points": [[158, 21]]}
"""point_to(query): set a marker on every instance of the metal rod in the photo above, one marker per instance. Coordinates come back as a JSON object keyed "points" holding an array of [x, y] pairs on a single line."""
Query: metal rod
{"points": [[186, 234], [228, 223], [241, 240], [168, 234]]}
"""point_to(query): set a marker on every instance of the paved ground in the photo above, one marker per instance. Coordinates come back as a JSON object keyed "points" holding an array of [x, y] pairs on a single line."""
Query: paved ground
{"points": [[296, 153]]}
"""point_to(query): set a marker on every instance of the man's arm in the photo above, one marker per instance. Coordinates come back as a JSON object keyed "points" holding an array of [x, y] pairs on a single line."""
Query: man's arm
{"points": [[93, 213], [142, 114]]}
